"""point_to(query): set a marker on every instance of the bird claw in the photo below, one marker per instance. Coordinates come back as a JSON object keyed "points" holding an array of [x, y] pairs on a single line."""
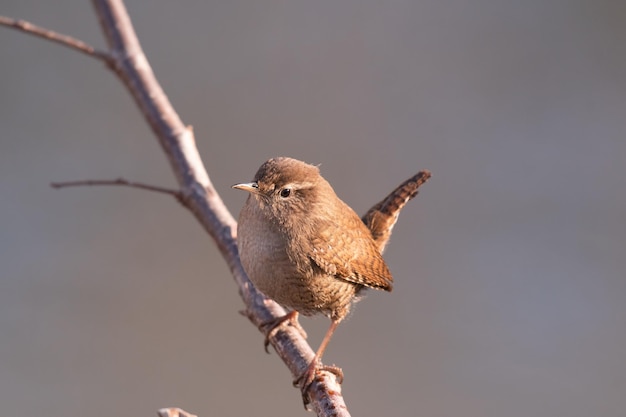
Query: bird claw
{"points": [[305, 380], [271, 327]]}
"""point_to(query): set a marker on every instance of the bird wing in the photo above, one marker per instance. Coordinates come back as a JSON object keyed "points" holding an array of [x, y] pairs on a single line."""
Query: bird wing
{"points": [[348, 252]]}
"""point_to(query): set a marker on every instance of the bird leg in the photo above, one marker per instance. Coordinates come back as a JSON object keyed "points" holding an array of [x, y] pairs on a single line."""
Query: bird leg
{"points": [[306, 379], [272, 326]]}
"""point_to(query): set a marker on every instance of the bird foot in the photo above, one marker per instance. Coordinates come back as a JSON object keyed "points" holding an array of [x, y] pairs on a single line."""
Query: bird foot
{"points": [[271, 327], [305, 380]]}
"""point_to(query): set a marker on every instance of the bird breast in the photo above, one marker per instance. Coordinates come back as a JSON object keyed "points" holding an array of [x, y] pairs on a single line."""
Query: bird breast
{"points": [[295, 284]]}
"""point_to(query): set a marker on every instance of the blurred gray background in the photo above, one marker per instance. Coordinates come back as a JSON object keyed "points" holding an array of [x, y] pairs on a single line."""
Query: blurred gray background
{"points": [[510, 265]]}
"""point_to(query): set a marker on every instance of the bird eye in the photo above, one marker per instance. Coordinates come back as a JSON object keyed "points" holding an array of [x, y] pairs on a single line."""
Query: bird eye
{"points": [[285, 192]]}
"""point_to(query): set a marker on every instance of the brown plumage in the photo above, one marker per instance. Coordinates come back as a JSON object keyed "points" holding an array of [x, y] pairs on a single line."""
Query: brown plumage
{"points": [[381, 218], [308, 250]]}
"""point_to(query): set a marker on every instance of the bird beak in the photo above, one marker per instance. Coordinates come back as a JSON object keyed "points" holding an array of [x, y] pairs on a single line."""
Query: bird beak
{"points": [[251, 187]]}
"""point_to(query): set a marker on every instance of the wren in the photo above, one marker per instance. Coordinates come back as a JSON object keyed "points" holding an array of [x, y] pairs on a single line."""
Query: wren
{"points": [[309, 251]]}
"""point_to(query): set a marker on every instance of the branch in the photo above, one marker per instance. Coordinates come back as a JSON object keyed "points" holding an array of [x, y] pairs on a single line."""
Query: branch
{"points": [[127, 60], [178, 143], [53, 36], [121, 182]]}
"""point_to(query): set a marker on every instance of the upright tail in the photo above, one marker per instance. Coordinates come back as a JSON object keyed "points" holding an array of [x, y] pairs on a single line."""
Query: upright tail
{"points": [[381, 218]]}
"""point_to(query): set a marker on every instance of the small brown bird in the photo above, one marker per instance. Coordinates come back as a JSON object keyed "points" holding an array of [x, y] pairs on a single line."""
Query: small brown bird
{"points": [[309, 251]]}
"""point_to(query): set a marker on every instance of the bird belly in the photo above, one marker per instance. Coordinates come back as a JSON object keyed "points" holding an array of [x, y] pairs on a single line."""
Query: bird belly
{"points": [[318, 294], [303, 288], [265, 260]]}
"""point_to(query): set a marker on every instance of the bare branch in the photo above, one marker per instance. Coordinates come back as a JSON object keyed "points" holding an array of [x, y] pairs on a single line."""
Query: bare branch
{"points": [[53, 36], [127, 59], [178, 143], [118, 182]]}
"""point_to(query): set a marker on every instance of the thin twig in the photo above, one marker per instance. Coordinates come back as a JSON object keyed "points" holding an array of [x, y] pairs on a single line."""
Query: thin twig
{"points": [[65, 40], [119, 182]]}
